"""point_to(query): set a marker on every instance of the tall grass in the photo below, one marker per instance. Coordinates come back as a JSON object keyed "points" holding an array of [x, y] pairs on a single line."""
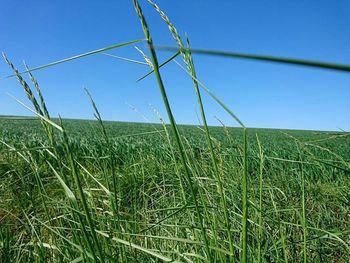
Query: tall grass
{"points": [[155, 67], [101, 192]]}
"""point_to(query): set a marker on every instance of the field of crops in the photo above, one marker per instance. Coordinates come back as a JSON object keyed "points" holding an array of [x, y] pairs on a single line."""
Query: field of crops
{"points": [[298, 198], [97, 191]]}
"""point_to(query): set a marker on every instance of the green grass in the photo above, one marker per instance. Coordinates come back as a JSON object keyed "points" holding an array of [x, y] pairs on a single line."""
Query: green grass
{"points": [[98, 191], [152, 210]]}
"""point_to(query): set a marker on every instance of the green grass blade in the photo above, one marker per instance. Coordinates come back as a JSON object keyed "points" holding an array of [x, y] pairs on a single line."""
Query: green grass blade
{"points": [[261, 170], [37, 114], [125, 59], [161, 65], [79, 56], [244, 255], [291, 61], [137, 247], [172, 122], [211, 94]]}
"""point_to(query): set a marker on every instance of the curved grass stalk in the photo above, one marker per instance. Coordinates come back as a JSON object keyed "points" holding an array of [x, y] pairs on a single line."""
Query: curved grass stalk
{"points": [[211, 149], [187, 57], [172, 122], [211, 94]]}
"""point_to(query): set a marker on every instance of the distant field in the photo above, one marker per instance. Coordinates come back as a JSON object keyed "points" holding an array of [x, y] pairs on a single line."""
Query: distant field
{"points": [[154, 209]]}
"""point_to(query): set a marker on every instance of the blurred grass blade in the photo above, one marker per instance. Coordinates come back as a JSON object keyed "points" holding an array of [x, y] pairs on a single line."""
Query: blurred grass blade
{"points": [[292, 61], [79, 56]]}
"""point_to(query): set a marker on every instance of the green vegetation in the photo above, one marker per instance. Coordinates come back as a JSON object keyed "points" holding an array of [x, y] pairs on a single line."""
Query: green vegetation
{"points": [[40, 220], [96, 191]]}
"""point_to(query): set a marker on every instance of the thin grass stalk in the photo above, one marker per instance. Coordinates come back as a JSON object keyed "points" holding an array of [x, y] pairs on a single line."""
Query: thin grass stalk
{"points": [[45, 121], [205, 200], [37, 239], [283, 241], [45, 112], [161, 65], [114, 199], [125, 59], [303, 219], [281, 229], [244, 256], [76, 215], [111, 154], [39, 92], [5, 237], [187, 57], [172, 122], [40, 184], [261, 169], [211, 94], [40, 111], [79, 186], [85, 255], [47, 127], [79, 56], [24, 84], [177, 170], [211, 148]]}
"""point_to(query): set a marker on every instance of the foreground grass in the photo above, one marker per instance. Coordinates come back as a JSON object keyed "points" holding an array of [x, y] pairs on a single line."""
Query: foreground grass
{"points": [[94, 191]]}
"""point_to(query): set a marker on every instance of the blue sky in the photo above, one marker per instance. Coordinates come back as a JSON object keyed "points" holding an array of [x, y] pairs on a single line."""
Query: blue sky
{"points": [[261, 94]]}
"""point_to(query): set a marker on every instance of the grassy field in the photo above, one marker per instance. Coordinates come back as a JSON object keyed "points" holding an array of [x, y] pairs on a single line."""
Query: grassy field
{"points": [[298, 198], [95, 191]]}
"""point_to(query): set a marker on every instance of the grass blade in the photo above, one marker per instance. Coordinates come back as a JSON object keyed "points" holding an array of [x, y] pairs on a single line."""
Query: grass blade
{"points": [[291, 61], [79, 56], [172, 122], [161, 65], [125, 59]]}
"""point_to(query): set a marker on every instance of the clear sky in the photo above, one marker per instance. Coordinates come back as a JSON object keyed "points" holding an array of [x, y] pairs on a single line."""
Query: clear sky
{"points": [[261, 94]]}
